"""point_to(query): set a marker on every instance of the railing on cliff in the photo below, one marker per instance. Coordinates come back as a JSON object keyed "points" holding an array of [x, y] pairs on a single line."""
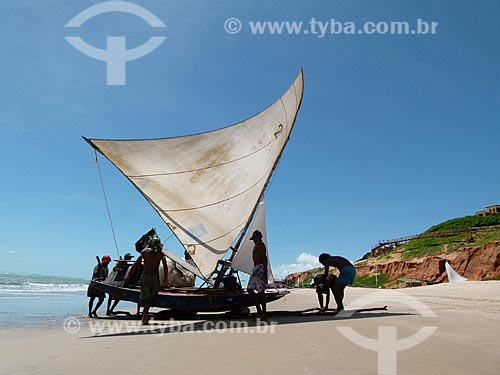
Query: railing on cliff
{"points": [[446, 233]]}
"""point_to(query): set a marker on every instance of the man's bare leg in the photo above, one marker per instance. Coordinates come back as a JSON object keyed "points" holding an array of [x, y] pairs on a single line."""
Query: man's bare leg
{"points": [[256, 298], [108, 307], [91, 304], [320, 299], [99, 303], [145, 316], [138, 312], [263, 302], [111, 311], [338, 293]]}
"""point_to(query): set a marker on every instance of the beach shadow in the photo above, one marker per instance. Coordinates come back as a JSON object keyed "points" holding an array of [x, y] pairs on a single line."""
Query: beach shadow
{"points": [[220, 323], [306, 318], [121, 315]]}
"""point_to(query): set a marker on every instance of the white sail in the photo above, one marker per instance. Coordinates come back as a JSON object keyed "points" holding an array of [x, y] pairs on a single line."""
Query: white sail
{"points": [[243, 260], [206, 186], [453, 276]]}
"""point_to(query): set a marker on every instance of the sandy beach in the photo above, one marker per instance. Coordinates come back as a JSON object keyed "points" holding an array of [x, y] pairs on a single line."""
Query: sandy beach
{"points": [[466, 340]]}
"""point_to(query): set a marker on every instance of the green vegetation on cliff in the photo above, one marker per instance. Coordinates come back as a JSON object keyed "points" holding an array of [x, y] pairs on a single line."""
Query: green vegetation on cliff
{"points": [[370, 281], [466, 222], [438, 245]]}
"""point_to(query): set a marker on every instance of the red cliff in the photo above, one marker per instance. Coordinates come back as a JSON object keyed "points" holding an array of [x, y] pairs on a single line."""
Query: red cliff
{"points": [[474, 263]]}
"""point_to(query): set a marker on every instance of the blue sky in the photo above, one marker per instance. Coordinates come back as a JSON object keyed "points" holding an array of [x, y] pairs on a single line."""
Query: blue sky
{"points": [[396, 132]]}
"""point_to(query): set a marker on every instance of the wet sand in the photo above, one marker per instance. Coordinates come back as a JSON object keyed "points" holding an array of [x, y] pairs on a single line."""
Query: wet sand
{"points": [[466, 339]]}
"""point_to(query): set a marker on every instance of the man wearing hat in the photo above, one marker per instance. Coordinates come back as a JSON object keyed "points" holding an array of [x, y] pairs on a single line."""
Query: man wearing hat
{"points": [[258, 280], [100, 273]]}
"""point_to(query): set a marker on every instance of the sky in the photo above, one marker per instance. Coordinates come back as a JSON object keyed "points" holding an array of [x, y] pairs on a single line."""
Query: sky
{"points": [[396, 133]]}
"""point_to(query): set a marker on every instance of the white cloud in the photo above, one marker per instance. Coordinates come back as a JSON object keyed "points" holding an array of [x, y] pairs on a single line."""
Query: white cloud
{"points": [[12, 251], [304, 262]]}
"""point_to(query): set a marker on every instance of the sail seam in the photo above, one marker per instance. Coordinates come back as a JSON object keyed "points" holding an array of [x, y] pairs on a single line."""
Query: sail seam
{"points": [[215, 203], [204, 168], [217, 238]]}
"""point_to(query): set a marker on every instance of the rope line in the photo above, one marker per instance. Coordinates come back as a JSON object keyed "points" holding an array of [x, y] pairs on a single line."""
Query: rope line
{"points": [[106, 201]]}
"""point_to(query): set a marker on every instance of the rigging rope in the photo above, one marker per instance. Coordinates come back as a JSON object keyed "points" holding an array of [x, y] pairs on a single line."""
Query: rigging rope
{"points": [[169, 237], [106, 200]]}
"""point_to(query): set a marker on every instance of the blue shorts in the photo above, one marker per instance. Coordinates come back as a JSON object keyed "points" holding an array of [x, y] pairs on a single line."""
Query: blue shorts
{"points": [[347, 275]]}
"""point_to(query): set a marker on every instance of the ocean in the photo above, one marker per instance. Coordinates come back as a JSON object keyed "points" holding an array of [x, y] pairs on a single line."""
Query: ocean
{"points": [[29, 299]]}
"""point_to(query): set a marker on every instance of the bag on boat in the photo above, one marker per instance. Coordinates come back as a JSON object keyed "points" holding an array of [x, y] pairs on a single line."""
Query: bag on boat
{"points": [[143, 242]]}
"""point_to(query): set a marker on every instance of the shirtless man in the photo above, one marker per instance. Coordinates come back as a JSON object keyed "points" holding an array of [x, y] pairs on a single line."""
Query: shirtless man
{"points": [[346, 276], [258, 280], [150, 281]]}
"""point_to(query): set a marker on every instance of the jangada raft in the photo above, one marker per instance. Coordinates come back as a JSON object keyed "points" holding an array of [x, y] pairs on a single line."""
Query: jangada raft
{"points": [[208, 188]]}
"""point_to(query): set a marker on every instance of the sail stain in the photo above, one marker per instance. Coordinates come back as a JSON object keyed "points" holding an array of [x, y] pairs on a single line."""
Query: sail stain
{"points": [[211, 157]]}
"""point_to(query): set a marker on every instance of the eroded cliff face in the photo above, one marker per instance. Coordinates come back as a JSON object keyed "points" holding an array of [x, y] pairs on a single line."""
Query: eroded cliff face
{"points": [[297, 278], [478, 263], [429, 268], [474, 263]]}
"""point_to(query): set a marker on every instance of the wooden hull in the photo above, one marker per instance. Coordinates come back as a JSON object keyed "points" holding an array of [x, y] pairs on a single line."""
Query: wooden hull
{"points": [[191, 299]]}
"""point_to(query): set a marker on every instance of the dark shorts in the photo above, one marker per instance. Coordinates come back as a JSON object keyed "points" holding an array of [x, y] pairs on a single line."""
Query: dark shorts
{"points": [[94, 293], [347, 275], [150, 286]]}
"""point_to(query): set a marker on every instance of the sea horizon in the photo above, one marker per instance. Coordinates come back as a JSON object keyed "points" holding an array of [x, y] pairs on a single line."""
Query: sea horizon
{"points": [[28, 298]]}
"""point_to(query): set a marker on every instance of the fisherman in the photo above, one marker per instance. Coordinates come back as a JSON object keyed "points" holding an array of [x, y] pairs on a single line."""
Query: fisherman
{"points": [[99, 274], [323, 286], [121, 268], [346, 276], [258, 280], [150, 281]]}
